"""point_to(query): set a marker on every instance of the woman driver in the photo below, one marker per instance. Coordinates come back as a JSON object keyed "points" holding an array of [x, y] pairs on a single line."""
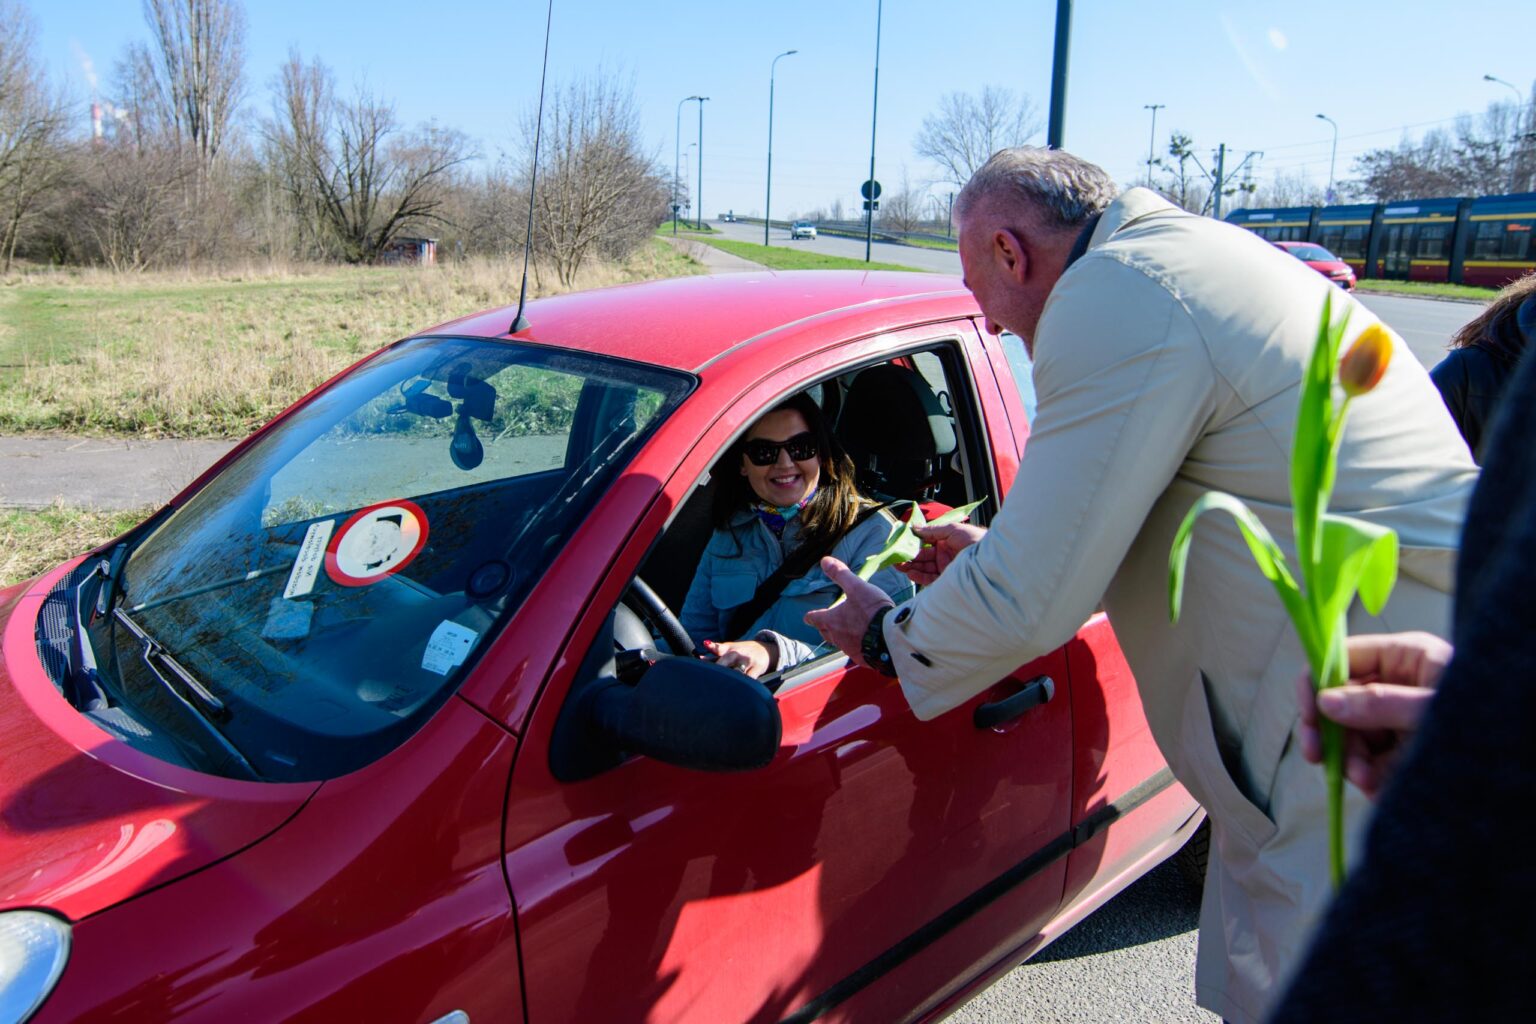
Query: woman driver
{"points": [[786, 497]]}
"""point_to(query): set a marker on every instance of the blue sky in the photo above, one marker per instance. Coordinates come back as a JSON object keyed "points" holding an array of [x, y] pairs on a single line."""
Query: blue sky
{"points": [[1247, 73]]}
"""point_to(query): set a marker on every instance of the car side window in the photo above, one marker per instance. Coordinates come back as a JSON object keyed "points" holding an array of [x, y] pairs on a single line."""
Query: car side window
{"points": [[1023, 368], [911, 428]]}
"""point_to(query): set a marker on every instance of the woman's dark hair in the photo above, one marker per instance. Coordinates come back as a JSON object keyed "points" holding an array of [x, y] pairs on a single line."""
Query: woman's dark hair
{"points": [[831, 512], [1498, 328]]}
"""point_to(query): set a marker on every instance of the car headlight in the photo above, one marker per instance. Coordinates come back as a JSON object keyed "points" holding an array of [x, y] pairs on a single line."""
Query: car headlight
{"points": [[33, 950]]}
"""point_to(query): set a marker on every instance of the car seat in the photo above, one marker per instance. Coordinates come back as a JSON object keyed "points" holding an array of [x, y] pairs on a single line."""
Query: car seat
{"points": [[897, 433]]}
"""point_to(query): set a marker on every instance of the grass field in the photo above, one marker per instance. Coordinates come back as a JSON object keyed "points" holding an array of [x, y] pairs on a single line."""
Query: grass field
{"points": [[779, 257], [184, 355], [1427, 290], [32, 540]]}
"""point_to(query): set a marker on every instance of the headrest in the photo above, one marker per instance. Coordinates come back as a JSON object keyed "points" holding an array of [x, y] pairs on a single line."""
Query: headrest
{"points": [[896, 432]]}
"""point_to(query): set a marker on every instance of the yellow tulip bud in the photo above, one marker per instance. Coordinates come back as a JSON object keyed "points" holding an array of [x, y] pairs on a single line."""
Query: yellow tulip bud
{"points": [[1366, 361]]}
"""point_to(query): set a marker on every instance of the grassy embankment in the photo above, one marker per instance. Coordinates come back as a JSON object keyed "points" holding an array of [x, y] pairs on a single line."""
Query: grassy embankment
{"points": [[1426, 290], [212, 355], [786, 257], [32, 540], [215, 355]]}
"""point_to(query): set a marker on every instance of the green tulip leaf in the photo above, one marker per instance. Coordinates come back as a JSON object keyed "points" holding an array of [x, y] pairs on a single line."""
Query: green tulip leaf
{"points": [[1312, 447], [1357, 556], [1266, 553], [956, 515], [902, 547]]}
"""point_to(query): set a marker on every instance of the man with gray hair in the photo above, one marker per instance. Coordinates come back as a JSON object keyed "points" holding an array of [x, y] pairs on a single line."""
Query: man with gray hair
{"points": [[1168, 356]]}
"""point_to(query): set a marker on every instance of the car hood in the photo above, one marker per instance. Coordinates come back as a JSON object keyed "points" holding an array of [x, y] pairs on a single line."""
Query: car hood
{"points": [[86, 821], [1328, 266]]}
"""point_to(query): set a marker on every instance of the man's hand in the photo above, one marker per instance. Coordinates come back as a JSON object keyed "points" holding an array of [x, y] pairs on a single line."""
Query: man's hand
{"points": [[843, 625], [749, 656], [940, 546], [1392, 679]]}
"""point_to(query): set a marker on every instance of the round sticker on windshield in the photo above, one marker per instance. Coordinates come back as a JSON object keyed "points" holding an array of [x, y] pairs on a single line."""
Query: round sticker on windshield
{"points": [[377, 542]]}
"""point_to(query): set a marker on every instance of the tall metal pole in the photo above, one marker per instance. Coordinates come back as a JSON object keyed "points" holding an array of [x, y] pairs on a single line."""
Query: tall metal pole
{"points": [[1521, 135], [768, 199], [700, 197], [874, 119], [1328, 196], [1152, 139], [1221, 173], [1056, 131], [677, 152]]}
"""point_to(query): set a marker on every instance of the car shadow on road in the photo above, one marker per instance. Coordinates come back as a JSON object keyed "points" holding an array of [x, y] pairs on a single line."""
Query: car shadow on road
{"points": [[1158, 906]]}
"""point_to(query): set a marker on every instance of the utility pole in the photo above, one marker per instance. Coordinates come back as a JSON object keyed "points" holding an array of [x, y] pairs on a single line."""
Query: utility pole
{"points": [[1056, 131], [768, 197], [1221, 167], [1152, 139]]}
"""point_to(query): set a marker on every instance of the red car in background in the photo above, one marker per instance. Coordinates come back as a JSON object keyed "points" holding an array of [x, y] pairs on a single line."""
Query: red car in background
{"points": [[1322, 261], [386, 717]]}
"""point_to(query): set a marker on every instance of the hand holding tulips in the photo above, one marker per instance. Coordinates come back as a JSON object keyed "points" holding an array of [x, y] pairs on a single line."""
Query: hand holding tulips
{"points": [[1338, 556]]}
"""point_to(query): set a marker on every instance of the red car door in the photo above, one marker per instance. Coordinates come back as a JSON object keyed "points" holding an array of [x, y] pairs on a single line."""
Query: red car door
{"points": [[865, 874]]}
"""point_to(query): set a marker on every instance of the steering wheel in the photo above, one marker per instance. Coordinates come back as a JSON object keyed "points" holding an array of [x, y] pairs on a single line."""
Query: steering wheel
{"points": [[649, 606]]}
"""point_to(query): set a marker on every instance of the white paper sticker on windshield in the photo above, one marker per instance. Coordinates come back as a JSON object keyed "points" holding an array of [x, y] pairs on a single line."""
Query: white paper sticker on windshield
{"points": [[449, 645], [311, 557]]}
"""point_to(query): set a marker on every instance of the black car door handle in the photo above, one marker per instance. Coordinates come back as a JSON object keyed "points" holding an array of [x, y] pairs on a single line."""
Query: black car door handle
{"points": [[1036, 692]]}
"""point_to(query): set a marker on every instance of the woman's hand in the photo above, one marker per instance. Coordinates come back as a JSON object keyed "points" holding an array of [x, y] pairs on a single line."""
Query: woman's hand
{"points": [[1392, 679], [748, 656], [940, 546]]}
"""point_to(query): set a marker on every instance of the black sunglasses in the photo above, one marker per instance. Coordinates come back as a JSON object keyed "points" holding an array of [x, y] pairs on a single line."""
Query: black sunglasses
{"points": [[762, 452]]}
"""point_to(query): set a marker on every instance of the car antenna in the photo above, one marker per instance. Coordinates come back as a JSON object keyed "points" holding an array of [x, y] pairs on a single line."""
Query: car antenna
{"points": [[520, 322]]}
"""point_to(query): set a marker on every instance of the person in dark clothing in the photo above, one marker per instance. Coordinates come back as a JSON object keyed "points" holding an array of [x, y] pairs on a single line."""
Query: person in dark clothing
{"points": [[1482, 359], [1434, 923]]}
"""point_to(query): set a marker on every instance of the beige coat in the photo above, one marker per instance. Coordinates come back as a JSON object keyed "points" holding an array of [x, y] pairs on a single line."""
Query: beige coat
{"points": [[1167, 363]]}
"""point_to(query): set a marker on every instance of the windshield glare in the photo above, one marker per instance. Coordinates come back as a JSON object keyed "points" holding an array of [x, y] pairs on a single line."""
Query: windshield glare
{"points": [[330, 587], [1312, 252]]}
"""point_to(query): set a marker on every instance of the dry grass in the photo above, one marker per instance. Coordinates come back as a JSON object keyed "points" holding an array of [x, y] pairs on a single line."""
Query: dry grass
{"points": [[183, 354], [34, 540]]}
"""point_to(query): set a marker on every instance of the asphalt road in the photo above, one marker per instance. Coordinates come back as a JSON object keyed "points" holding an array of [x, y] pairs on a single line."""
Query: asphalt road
{"points": [[1425, 324]]}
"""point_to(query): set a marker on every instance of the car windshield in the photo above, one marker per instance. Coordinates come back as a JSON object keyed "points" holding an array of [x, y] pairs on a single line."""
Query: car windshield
{"points": [[326, 591], [1312, 252]]}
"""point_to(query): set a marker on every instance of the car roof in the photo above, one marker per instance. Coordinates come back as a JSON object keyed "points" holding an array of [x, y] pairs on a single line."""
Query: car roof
{"points": [[686, 322]]}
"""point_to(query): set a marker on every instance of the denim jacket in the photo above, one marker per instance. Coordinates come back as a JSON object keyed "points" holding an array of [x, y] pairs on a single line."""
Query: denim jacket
{"points": [[741, 557]]}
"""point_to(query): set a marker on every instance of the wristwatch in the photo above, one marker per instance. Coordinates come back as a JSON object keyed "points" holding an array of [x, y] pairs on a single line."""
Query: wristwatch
{"points": [[876, 654]]}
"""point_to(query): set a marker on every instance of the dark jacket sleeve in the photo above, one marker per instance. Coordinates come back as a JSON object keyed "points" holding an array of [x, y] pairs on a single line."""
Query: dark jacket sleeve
{"points": [[1450, 376]]}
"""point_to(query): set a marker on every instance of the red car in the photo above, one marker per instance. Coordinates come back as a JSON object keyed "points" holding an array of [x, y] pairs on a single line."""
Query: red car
{"points": [[375, 721], [1322, 261]]}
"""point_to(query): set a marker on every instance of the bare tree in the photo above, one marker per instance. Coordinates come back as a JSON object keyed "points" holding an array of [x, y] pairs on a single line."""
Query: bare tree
{"points": [[1292, 188], [1182, 180], [187, 82], [901, 210], [32, 118], [598, 193], [966, 130], [355, 179]]}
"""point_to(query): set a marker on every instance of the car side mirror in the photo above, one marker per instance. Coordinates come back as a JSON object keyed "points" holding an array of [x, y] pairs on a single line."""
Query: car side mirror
{"points": [[689, 713]]}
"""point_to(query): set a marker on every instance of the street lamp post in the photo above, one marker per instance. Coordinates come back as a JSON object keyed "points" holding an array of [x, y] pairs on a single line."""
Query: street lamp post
{"points": [[1152, 139], [1332, 156], [768, 199], [699, 198], [677, 151], [688, 172], [1520, 134]]}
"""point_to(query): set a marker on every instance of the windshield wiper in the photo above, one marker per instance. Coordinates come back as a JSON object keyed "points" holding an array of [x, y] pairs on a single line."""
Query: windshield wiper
{"points": [[207, 710], [110, 570], [82, 681]]}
